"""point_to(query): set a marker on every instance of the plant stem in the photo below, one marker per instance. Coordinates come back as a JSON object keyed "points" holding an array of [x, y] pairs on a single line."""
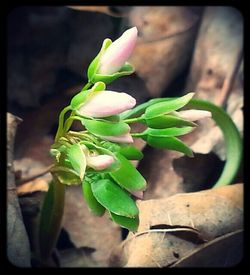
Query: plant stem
{"points": [[69, 123], [51, 217], [133, 120], [232, 139], [60, 122]]}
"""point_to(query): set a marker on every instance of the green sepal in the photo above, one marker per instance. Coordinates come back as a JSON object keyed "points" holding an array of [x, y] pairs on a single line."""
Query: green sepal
{"points": [[101, 150], [80, 98], [130, 223], [130, 152], [95, 63], [168, 106], [105, 128], [168, 132], [77, 159], [127, 176], [126, 69], [113, 118], [164, 121], [170, 143], [114, 198], [95, 207]]}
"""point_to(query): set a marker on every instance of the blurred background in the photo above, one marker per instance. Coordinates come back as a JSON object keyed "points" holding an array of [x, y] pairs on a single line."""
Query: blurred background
{"points": [[179, 49]]}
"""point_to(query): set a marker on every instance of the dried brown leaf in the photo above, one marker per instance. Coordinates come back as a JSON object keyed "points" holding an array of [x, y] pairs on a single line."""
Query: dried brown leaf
{"points": [[166, 35], [210, 213], [226, 251], [85, 229]]}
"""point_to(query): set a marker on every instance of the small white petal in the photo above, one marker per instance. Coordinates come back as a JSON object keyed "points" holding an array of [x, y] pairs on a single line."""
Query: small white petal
{"points": [[194, 115], [100, 162], [126, 138], [137, 194]]}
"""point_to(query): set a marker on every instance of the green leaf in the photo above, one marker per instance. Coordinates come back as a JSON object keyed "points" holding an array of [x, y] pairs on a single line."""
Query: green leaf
{"points": [[164, 121], [106, 128], [170, 143], [168, 132], [128, 176], [168, 106], [114, 198], [129, 223], [95, 63], [51, 217], [77, 159], [95, 207], [130, 152]]}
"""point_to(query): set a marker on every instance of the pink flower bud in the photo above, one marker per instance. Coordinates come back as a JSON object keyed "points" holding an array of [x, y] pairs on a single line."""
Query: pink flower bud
{"points": [[193, 115], [137, 194], [126, 138], [107, 103], [118, 52], [99, 162]]}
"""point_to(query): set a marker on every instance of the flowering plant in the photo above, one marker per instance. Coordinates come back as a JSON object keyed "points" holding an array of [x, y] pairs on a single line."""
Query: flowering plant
{"points": [[98, 157]]}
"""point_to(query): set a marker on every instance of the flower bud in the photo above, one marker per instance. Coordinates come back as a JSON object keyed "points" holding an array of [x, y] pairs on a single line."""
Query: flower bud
{"points": [[118, 52], [137, 194], [126, 138], [194, 115], [107, 103], [99, 162]]}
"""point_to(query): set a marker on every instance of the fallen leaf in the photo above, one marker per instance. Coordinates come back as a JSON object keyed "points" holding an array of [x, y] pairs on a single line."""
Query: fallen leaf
{"points": [[208, 214], [85, 229], [18, 246], [216, 73], [166, 34], [103, 9], [224, 251], [40, 184]]}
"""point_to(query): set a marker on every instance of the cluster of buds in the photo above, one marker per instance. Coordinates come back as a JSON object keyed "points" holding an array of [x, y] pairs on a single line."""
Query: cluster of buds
{"points": [[98, 157]]}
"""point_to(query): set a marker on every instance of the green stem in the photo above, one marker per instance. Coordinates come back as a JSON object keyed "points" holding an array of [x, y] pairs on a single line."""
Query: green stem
{"points": [[67, 127], [53, 205], [133, 120], [232, 139], [86, 86], [69, 122], [59, 132], [51, 217]]}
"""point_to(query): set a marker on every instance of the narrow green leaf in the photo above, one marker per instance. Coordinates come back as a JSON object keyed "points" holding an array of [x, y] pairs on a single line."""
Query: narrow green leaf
{"points": [[165, 107], [50, 219], [77, 159], [128, 176], [114, 198], [164, 121], [130, 152], [129, 223], [106, 128], [170, 143], [168, 132], [95, 207]]}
